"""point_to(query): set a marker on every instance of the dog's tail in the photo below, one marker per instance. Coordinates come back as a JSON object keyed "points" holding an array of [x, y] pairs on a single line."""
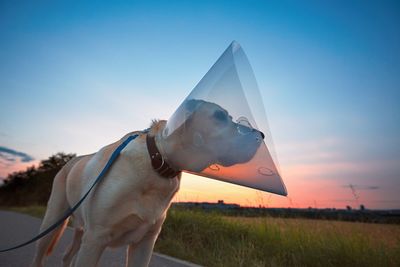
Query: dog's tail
{"points": [[56, 237]]}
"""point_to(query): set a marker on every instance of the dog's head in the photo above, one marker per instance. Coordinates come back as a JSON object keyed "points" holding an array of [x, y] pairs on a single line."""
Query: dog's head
{"points": [[210, 136]]}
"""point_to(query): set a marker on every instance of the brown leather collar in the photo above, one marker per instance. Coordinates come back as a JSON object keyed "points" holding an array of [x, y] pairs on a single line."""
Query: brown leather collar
{"points": [[157, 160]]}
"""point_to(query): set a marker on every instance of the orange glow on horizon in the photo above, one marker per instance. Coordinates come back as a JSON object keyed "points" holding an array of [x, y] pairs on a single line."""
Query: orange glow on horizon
{"points": [[303, 181], [304, 189]]}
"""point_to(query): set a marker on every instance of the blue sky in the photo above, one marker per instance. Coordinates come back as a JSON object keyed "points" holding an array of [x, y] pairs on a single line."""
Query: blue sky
{"points": [[76, 76]]}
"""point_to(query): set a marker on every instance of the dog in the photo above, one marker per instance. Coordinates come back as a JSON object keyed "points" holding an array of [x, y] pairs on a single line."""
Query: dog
{"points": [[129, 206]]}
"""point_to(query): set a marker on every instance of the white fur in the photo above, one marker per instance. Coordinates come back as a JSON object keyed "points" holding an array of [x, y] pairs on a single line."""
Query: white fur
{"points": [[129, 205]]}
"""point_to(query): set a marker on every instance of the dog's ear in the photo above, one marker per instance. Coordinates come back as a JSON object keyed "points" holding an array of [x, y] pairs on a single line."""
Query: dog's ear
{"points": [[193, 104]]}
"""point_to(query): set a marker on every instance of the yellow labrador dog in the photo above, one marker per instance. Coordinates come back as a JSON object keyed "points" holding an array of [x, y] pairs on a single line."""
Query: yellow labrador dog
{"points": [[128, 207]]}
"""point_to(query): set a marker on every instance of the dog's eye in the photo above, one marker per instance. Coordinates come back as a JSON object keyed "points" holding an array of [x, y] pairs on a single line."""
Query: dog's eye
{"points": [[220, 115]]}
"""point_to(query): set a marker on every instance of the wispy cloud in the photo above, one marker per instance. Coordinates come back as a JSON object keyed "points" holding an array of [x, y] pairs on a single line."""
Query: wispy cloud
{"points": [[362, 187], [12, 160], [12, 155]]}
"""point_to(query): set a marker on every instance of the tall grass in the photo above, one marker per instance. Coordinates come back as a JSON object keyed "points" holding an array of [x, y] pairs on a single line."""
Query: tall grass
{"points": [[212, 239]]}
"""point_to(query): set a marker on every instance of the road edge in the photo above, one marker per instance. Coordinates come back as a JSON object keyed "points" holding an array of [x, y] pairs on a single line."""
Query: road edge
{"points": [[176, 260]]}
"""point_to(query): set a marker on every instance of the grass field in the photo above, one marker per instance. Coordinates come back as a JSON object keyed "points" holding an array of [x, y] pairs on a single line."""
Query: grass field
{"points": [[211, 239]]}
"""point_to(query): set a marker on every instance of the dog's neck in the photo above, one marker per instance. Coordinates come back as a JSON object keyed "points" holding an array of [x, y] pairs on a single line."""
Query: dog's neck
{"points": [[159, 159], [160, 165], [166, 146], [179, 153]]}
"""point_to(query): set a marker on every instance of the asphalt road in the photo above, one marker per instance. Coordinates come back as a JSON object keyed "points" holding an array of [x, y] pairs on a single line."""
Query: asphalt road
{"points": [[16, 228]]}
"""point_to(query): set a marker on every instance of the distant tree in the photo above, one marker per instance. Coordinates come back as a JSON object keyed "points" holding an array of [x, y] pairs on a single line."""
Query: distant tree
{"points": [[32, 186], [55, 161], [348, 208], [362, 207], [30, 171]]}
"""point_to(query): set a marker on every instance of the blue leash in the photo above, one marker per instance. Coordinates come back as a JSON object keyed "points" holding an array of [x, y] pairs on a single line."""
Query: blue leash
{"points": [[69, 212]]}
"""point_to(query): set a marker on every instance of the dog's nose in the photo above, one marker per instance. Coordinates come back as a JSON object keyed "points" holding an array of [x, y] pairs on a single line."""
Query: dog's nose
{"points": [[262, 135]]}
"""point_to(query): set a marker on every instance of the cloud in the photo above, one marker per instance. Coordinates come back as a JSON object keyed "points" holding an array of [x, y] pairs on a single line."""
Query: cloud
{"points": [[362, 187], [374, 187], [11, 155], [12, 161]]}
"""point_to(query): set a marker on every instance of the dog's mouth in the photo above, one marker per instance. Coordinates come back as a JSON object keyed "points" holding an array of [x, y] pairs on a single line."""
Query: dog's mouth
{"points": [[243, 157], [242, 149]]}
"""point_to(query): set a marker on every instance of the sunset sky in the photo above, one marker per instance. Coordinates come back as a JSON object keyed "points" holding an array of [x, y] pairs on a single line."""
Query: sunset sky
{"points": [[77, 76]]}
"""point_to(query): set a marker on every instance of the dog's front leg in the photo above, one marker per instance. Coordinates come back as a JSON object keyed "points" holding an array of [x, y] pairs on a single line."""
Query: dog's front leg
{"points": [[139, 254], [90, 251]]}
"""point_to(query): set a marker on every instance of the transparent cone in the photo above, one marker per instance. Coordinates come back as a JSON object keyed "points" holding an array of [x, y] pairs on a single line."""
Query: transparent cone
{"points": [[220, 131]]}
